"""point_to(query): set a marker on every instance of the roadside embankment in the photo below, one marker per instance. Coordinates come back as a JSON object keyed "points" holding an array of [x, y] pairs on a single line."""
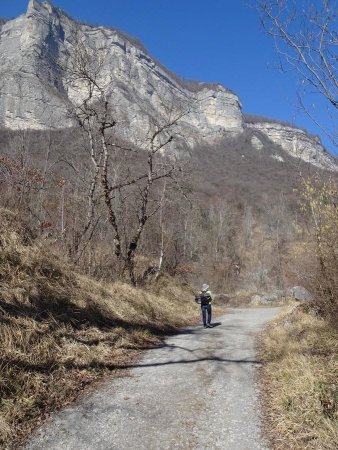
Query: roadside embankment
{"points": [[60, 331], [299, 380]]}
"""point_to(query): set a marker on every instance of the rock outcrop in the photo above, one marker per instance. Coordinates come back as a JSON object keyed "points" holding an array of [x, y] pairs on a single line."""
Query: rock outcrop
{"points": [[299, 293], [294, 141]]}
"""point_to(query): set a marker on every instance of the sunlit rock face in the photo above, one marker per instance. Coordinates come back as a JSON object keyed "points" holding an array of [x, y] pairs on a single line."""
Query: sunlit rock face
{"points": [[31, 90], [296, 142], [35, 91], [35, 94], [256, 143]]}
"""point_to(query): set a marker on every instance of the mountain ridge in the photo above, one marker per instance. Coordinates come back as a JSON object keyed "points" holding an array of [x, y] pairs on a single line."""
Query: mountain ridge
{"points": [[36, 94]]}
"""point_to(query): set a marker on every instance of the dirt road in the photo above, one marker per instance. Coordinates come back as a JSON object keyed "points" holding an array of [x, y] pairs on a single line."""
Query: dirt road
{"points": [[197, 391]]}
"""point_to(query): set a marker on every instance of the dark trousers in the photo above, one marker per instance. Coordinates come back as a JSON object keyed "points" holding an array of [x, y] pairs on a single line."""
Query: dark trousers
{"points": [[206, 309]]}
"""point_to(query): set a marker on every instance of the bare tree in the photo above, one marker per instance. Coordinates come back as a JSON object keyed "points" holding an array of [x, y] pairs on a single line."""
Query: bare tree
{"points": [[306, 39], [125, 175]]}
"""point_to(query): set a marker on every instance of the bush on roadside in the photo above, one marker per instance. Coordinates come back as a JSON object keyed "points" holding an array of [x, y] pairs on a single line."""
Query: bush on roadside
{"points": [[320, 203]]}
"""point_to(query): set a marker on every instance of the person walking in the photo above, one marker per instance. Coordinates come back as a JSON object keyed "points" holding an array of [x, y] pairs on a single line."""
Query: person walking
{"points": [[205, 299]]}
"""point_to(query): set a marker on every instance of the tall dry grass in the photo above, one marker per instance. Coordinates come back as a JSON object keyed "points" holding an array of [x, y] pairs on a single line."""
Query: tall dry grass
{"points": [[60, 331], [300, 383]]}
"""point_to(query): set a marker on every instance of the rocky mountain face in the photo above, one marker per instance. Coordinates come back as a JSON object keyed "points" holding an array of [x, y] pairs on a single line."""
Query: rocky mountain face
{"points": [[35, 94], [294, 141]]}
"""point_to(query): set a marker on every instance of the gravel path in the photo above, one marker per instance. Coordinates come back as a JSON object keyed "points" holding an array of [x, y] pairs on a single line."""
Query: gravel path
{"points": [[195, 392]]}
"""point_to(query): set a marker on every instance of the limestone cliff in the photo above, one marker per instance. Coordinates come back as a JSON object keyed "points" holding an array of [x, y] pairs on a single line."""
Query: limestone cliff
{"points": [[294, 141], [35, 94]]}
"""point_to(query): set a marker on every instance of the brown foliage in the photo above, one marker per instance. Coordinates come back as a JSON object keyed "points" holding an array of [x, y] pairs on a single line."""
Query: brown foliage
{"points": [[320, 203]]}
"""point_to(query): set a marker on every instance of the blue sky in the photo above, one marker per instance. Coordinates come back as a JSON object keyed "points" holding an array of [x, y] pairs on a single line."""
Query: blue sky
{"points": [[203, 40]]}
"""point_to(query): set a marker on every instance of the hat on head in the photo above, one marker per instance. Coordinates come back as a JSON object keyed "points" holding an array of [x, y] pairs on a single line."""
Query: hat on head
{"points": [[205, 287]]}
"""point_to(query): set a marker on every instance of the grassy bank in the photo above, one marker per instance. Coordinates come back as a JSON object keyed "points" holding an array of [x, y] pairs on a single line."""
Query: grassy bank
{"points": [[61, 331], [300, 383]]}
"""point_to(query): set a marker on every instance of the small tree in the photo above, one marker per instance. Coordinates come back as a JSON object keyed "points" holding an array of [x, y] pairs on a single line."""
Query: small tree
{"points": [[126, 175], [320, 203], [306, 39]]}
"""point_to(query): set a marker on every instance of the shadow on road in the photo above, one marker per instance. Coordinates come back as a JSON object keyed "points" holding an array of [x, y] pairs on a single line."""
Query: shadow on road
{"points": [[43, 368], [216, 324], [203, 335]]}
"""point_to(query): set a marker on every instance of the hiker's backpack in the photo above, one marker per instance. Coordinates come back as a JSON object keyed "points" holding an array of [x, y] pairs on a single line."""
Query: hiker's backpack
{"points": [[205, 298], [198, 298]]}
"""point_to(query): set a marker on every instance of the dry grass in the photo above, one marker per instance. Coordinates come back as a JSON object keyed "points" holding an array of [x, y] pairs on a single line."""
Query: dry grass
{"points": [[60, 331], [300, 379]]}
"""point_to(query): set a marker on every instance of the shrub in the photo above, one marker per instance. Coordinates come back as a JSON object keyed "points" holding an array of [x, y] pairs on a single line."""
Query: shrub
{"points": [[320, 203]]}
